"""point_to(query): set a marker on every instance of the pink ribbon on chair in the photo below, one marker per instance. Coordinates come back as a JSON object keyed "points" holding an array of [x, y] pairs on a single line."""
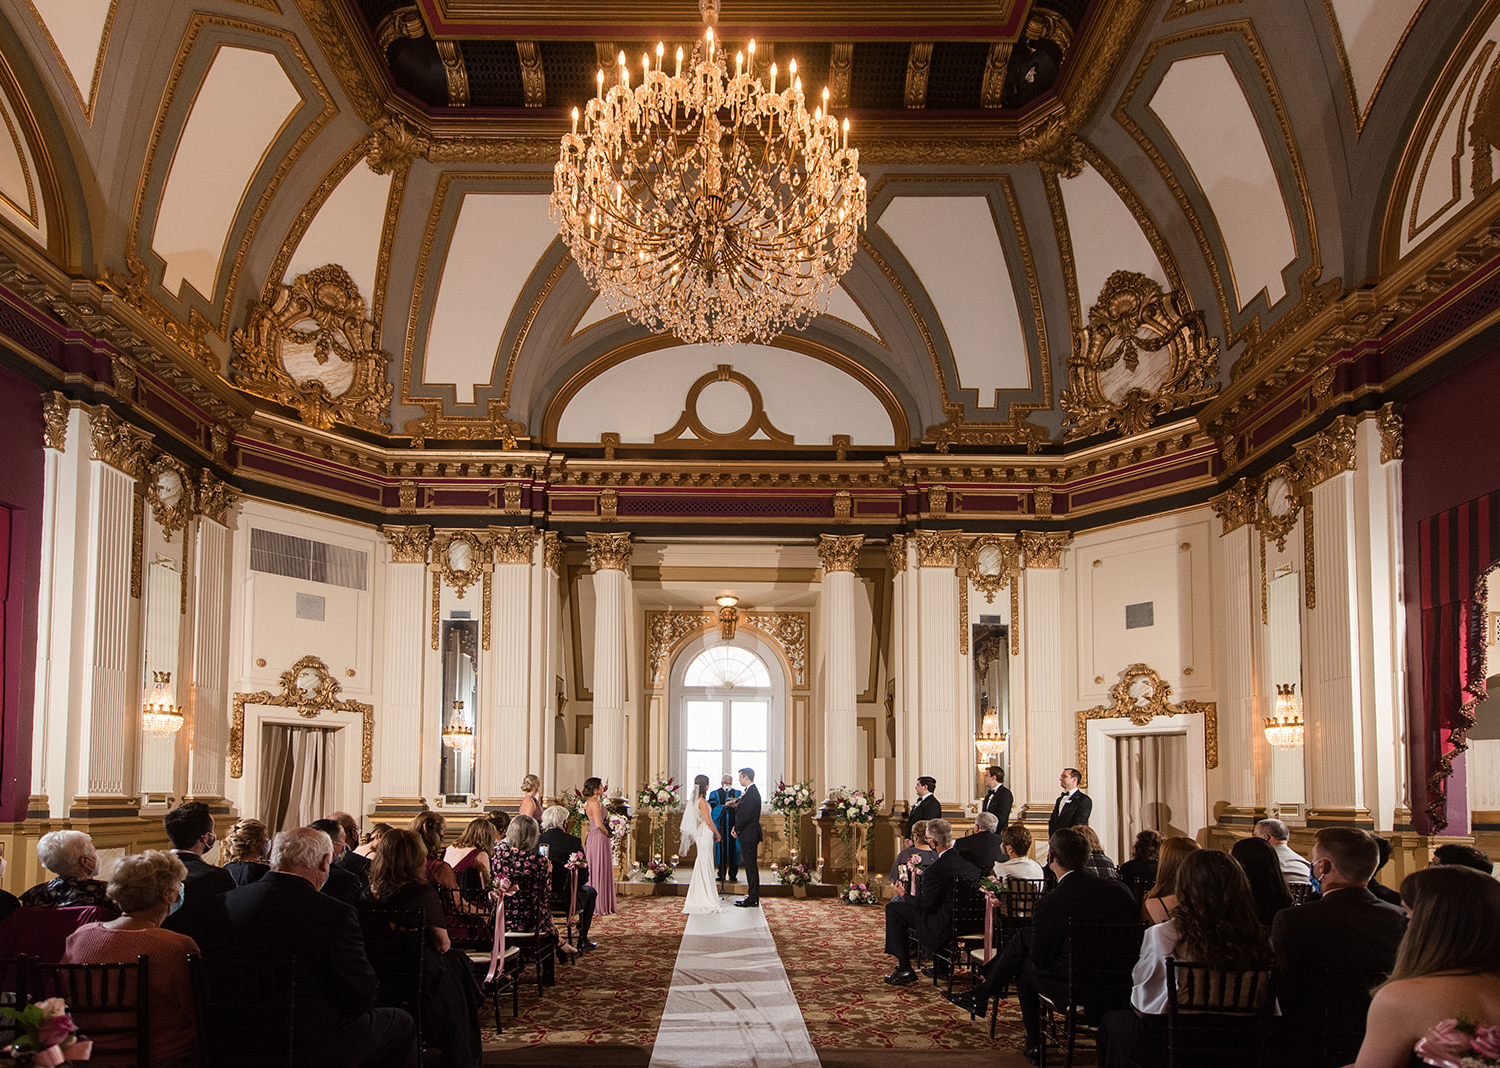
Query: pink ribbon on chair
{"points": [[497, 948], [573, 900], [989, 926], [912, 879], [55, 1055]]}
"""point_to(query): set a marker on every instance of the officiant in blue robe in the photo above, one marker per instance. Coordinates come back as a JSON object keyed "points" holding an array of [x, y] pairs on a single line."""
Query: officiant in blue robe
{"points": [[726, 850]]}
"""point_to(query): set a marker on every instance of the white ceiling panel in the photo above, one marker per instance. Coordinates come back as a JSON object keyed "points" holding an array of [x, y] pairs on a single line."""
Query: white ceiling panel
{"points": [[841, 306], [347, 229], [1371, 31], [77, 31], [952, 244], [1105, 235], [20, 199]]}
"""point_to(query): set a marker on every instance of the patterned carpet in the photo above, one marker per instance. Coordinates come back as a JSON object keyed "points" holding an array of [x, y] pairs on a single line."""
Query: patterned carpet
{"points": [[605, 1010]]}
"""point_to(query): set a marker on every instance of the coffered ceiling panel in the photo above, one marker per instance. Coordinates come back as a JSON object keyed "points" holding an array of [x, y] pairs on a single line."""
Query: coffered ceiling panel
{"points": [[79, 32], [1202, 105], [1105, 236], [496, 242], [243, 103], [347, 230], [952, 245], [1369, 33]]}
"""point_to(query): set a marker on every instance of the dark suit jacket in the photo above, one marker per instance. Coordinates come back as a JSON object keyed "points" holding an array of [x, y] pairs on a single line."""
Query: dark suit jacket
{"points": [[560, 846], [203, 883], [1075, 813], [355, 865], [1000, 801], [935, 895], [1349, 928], [281, 917], [348, 888], [982, 849], [1082, 897], [747, 817], [927, 808]]}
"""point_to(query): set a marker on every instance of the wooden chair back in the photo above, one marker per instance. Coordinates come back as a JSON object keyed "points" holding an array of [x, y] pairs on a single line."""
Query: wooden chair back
{"points": [[110, 1003], [246, 1011]]}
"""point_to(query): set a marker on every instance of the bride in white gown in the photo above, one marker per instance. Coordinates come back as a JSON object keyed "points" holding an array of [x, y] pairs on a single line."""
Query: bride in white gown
{"points": [[698, 827]]}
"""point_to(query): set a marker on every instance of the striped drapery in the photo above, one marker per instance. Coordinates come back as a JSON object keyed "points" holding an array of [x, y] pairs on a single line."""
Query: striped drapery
{"points": [[1457, 550]]}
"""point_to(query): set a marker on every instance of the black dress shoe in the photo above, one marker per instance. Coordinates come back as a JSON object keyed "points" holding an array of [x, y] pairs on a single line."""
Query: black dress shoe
{"points": [[969, 1001], [747, 903], [901, 977], [587, 947], [1034, 1054]]}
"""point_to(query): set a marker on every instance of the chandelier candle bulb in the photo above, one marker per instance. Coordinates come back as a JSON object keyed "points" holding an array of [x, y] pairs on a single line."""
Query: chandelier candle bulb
{"points": [[679, 62]]}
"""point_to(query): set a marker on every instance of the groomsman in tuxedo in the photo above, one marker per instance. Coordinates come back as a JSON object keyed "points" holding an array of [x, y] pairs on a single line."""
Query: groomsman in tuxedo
{"points": [[998, 799], [747, 833], [927, 806], [1073, 807], [727, 851]]}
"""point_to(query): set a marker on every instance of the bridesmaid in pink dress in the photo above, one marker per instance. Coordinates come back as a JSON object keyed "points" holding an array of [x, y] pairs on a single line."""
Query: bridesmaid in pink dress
{"points": [[531, 805], [597, 849]]}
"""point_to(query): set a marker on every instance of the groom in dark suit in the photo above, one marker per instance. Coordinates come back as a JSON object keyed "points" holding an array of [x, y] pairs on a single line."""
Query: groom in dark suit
{"points": [[747, 833]]}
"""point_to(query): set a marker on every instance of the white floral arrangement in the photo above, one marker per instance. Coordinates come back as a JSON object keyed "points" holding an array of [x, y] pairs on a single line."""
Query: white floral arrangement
{"points": [[858, 894], [849, 805], [795, 874], [618, 824], [660, 794]]}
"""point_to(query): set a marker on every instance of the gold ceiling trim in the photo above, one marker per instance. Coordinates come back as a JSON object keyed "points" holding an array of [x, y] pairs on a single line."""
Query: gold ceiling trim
{"points": [[308, 687], [387, 254], [758, 421], [1059, 211], [1034, 289], [911, 309], [667, 632], [310, 208], [554, 276], [32, 212], [1136, 205], [61, 242], [86, 102], [1361, 117], [1141, 710]]}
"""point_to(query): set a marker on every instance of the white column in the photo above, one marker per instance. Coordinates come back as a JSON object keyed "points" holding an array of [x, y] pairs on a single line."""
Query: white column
{"points": [[943, 749], [398, 733], [503, 730], [896, 564], [840, 556], [1051, 738], [548, 636], [609, 555], [1237, 610], [209, 694]]}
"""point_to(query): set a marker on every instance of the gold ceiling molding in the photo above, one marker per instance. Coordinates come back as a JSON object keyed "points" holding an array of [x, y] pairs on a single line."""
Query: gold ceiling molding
{"points": [[992, 89], [135, 289], [275, 330], [743, 437], [86, 101], [609, 552], [1235, 506], [1133, 317], [839, 552], [408, 544], [308, 687], [1392, 442], [402, 22], [1140, 696], [1059, 211], [309, 211], [533, 77], [840, 67], [55, 408], [514, 545], [667, 631], [1049, 26], [215, 497], [169, 490], [456, 73], [918, 66], [1360, 116], [1133, 201]]}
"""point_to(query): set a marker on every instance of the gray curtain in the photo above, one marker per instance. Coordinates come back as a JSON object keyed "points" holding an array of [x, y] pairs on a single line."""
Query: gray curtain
{"points": [[1153, 787], [295, 763]]}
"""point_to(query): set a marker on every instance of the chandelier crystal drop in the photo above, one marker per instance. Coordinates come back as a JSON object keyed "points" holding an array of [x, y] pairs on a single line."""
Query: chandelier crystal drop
{"points": [[1285, 729], [709, 205], [458, 734], [160, 716]]}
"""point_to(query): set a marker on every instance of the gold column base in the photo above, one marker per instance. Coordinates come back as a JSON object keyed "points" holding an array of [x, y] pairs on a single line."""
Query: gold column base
{"points": [[1231, 823], [104, 806]]}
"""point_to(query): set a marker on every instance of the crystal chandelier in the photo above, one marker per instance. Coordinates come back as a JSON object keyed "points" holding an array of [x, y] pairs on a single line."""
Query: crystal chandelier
{"points": [[1285, 729], [990, 741], [709, 205], [458, 734], [160, 715]]}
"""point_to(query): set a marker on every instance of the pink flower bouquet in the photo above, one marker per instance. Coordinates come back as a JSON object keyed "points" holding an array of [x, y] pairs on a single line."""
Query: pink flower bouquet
{"points": [[1461, 1042]]}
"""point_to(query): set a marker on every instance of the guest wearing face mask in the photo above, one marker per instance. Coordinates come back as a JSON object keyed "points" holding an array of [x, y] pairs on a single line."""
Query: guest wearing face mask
{"points": [[147, 888], [190, 828]]}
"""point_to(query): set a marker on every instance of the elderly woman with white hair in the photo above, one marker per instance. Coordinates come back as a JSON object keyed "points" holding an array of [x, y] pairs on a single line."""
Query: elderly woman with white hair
{"points": [[147, 888], [71, 855]]}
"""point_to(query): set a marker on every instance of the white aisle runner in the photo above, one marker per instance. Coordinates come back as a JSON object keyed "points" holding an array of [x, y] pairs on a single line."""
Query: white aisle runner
{"points": [[730, 1001]]}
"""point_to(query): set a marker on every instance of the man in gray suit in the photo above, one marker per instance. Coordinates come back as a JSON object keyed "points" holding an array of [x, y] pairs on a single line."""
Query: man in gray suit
{"points": [[747, 833]]}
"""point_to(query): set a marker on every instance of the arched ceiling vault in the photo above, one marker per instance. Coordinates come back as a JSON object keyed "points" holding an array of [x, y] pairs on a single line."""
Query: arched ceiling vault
{"points": [[1088, 221]]}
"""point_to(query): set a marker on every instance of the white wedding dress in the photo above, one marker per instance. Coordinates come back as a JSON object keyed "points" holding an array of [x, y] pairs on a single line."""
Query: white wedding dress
{"points": [[703, 891]]}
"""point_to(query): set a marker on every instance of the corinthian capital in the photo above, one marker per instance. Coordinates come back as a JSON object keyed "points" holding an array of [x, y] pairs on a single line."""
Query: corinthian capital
{"points": [[840, 552], [939, 548], [408, 544], [609, 552]]}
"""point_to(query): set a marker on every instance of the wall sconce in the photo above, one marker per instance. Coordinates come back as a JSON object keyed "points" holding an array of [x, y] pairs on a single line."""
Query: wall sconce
{"points": [[458, 734], [1285, 729], [990, 741], [729, 616], [160, 715]]}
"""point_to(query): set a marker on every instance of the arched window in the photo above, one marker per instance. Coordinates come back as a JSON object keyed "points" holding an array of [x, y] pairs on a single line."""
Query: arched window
{"points": [[728, 715]]}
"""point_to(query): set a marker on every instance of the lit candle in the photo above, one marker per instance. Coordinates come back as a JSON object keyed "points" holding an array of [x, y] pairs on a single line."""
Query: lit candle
{"points": [[773, 77], [710, 36], [739, 63], [645, 67], [674, 860], [575, 120], [660, 50], [600, 79], [624, 71], [846, 133], [679, 62]]}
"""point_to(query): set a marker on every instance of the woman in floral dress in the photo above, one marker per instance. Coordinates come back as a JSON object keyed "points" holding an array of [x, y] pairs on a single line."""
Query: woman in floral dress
{"points": [[530, 877]]}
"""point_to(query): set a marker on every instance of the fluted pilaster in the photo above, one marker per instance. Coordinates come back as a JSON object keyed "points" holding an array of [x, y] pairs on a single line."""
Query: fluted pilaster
{"points": [[840, 556], [609, 556]]}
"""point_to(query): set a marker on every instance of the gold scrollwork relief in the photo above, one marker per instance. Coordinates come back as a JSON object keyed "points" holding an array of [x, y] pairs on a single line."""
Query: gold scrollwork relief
{"points": [[408, 544], [55, 421], [169, 491], [461, 558], [308, 687], [1140, 696], [312, 347], [840, 552], [994, 562], [1392, 444], [609, 552], [1235, 506], [843, 506], [114, 442], [552, 551], [895, 554], [667, 630], [1143, 353]]}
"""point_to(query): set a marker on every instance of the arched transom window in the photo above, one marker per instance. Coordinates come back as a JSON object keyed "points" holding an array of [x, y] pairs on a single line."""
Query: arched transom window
{"points": [[727, 715]]}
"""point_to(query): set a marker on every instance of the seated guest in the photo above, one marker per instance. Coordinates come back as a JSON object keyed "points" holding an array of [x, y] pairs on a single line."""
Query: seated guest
{"points": [[1139, 872], [71, 855], [1036, 957], [1016, 841], [1293, 865], [1449, 962], [917, 846], [352, 861], [372, 839], [929, 912], [559, 845], [341, 883], [1375, 886], [1214, 924], [247, 851], [147, 888], [430, 827], [470, 855], [1099, 862], [1463, 856], [450, 998], [530, 877], [1348, 928], [1267, 884], [1161, 899], [982, 848], [282, 916], [190, 828], [501, 820]]}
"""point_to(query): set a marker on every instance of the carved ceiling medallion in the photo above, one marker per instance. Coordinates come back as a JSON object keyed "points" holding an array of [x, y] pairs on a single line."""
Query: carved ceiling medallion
{"points": [[1143, 354], [313, 348]]}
